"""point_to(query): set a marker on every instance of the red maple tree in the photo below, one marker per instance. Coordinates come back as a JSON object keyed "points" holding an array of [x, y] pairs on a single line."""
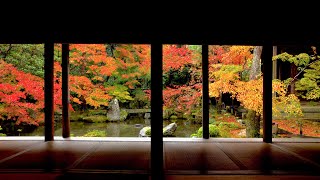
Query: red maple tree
{"points": [[21, 95]]}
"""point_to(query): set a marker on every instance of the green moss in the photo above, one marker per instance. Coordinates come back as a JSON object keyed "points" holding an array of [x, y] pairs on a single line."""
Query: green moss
{"points": [[173, 117], [95, 119], [95, 133], [77, 116], [167, 113], [194, 135], [211, 120], [148, 131], [123, 115], [230, 125], [312, 103], [97, 112], [214, 131]]}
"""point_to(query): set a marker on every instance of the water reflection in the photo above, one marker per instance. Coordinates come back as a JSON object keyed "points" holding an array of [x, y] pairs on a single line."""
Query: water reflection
{"points": [[129, 128]]}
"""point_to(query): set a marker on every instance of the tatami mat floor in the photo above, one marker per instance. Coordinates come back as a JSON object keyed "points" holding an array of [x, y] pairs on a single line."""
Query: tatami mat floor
{"points": [[95, 159]]}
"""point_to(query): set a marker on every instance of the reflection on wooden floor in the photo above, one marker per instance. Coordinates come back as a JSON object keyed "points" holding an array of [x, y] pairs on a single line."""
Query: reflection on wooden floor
{"points": [[183, 159]]}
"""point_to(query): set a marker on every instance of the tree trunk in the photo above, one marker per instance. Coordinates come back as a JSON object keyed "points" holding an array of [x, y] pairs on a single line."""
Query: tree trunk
{"points": [[83, 104], [293, 73], [252, 125], [219, 103], [255, 70], [253, 120]]}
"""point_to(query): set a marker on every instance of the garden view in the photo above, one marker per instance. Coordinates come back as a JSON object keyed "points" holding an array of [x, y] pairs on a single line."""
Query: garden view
{"points": [[110, 91]]}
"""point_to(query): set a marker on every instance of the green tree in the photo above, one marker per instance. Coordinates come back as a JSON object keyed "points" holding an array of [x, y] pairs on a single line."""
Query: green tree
{"points": [[132, 76], [26, 57], [308, 86]]}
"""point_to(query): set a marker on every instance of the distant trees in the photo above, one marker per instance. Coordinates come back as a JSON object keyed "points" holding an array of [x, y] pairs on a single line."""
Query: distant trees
{"points": [[242, 79], [25, 57], [101, 72]]}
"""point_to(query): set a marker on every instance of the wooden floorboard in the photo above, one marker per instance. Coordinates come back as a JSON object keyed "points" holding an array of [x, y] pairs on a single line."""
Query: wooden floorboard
{"points": [[182, 159]]}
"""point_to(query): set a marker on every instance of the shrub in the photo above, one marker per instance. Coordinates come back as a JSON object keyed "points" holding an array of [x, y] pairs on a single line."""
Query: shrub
{"points": [[148, 131], [214, 131]]}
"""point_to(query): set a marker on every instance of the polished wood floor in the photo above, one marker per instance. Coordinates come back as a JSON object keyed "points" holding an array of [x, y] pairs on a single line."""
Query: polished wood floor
{"points": [[121, 158]]}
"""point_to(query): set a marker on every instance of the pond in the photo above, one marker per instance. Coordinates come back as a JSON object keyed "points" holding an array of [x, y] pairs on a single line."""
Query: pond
{"points": [[128, 128]]}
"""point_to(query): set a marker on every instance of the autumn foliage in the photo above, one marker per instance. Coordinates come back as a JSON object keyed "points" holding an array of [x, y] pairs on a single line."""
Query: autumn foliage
{"points": [[227, 75], [92, 59], [175, 57], [182, 93], [182, 98], [95, 78], [101, 72], [97, 75], [21, 95]]}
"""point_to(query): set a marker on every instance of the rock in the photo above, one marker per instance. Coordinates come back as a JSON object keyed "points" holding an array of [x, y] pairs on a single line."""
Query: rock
{"points": [[242, 122], [145, 132], [147, 115], [169, 129], [242, 133], [138, 125], [274, 128], [114, 112]]}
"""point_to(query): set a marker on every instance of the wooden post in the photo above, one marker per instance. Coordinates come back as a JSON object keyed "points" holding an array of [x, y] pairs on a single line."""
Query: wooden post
{"points": [[48, 91], [157, 172], [205, 92], [267, 92], [65, 91]]}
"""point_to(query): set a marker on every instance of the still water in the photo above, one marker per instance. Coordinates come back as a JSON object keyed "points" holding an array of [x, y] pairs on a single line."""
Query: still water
{"points": [[128, 128]]}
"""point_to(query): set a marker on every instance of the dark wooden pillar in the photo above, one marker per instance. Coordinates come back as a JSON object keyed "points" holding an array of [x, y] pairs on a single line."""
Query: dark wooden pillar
{"points": [[48, 91], [205, 92], [65, 91], [157, 172], [267, 53]]}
